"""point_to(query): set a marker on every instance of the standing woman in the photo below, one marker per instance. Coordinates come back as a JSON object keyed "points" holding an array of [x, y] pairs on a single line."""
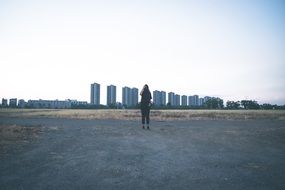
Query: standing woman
{"points": [[145, 105]]}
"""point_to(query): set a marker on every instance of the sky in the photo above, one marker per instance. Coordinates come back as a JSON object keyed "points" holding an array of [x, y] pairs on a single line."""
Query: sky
{"points": [[233, 49]]}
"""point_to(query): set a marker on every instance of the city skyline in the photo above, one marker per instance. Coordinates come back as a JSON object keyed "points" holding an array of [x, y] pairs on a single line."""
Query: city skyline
{"points": [[130, 100], [228, 49], [130, 97]]}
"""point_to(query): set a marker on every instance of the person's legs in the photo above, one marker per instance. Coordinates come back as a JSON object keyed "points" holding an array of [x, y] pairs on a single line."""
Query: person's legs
{"points": [[143, 117], [147, 118]]}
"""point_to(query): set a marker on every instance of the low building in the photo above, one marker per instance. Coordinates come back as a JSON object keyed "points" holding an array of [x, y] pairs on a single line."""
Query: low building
{"points": [[22, 103], [4, 102], [53, 104], [13, 102]]}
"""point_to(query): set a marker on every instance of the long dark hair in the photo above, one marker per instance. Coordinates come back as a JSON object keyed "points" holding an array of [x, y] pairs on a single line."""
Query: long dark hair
{"points": [[145, 89]]}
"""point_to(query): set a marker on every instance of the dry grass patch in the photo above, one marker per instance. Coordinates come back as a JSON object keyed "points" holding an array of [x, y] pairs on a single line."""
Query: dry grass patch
{"points": [[155, 114]]}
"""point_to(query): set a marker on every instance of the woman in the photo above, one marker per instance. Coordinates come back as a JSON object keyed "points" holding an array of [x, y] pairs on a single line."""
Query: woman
{"points": [[145, 105]]}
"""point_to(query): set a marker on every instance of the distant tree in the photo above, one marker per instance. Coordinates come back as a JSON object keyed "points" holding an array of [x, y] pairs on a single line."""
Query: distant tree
{"points": [[214, 103], [280, 107], [233, 105], [112, 106], [267, 106], [250, 104]]}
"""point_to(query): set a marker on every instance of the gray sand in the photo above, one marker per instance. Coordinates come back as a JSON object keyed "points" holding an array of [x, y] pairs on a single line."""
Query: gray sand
{"points": [[115, 154]]}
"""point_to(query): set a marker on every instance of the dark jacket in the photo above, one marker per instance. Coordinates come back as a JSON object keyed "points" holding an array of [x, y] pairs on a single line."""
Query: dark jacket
{"points": [[146, 97]]}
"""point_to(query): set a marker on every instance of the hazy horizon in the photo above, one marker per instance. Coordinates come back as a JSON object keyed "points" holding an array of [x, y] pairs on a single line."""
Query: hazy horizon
{"points": [[230, 49]]}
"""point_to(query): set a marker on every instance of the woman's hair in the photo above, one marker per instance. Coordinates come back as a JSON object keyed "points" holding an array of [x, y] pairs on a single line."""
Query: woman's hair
{"points": [[145, 86]]}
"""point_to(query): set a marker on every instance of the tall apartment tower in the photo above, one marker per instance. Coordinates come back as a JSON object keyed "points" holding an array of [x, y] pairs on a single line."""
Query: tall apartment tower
{"points": [[171, 98], [196, 99], [177, 100], [130, 96], [95, 94], [201, 101], [193, 100], [157, 98], [184, 100], [163, 98], [126, 96], [111, 95], [134, 96]]}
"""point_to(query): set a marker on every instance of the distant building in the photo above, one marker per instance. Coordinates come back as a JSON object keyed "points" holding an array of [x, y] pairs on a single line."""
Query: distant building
{"points": [[22, 103], [177, 100], [126, 96], [130, 96], [111, 95], [163, 98], [191, 101], [13, 102], [95, 94], [201, 102], [53, 104], [77, 103], [159, 98], [196, 100], [134, 96], [4, 102], [206, 98], [184, 100], [171, 99]]}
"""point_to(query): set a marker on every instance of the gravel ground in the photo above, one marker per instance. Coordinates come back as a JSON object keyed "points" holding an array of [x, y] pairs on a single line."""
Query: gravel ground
{"points": [[118, 154]]}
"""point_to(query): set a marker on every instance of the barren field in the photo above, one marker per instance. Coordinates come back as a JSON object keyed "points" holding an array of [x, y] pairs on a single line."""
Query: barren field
{"points": [[108, 149], [158, 115]]}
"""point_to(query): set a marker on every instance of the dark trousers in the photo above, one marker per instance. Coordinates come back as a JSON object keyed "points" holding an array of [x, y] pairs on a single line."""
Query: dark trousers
{"points": [[145, 114]]}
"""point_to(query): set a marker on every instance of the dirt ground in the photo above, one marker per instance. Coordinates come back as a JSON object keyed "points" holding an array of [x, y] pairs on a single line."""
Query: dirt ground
{"points": [[60, 153]]}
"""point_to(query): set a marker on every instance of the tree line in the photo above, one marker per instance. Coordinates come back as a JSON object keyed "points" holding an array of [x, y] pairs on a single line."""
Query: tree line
{"points": [[218, 103], [212, 103]]}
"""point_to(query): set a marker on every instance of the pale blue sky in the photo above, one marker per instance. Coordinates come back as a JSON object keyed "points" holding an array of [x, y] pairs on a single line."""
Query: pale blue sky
{"points": [[56, 49]]}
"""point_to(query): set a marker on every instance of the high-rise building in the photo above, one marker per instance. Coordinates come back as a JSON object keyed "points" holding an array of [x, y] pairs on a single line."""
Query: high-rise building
{"points": [[157, 98], [171, 98], [177, 100], [95, 94], [111, 95], [184, 100], [193, 100], [201, 101], [163, 98], [196, 100], [134, 96], [126, 96], [130, 96]]}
